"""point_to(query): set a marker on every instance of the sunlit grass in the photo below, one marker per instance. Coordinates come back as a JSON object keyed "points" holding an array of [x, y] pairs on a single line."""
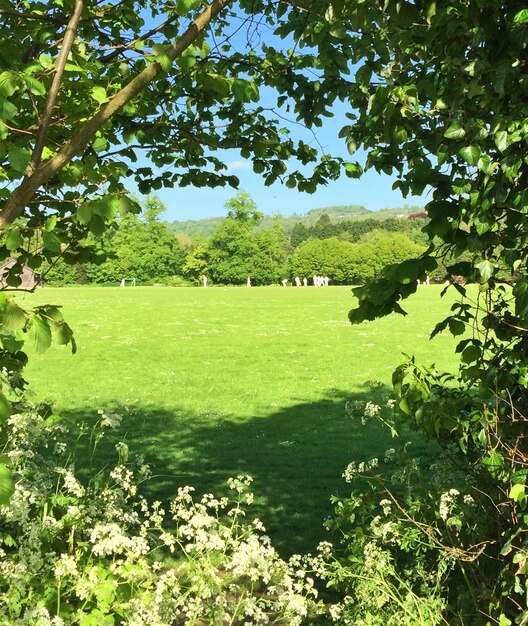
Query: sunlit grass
{"points": [[221, 381]]}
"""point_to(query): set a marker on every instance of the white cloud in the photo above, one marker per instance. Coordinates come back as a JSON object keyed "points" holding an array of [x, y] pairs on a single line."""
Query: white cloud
{"points": [[239, 165]]}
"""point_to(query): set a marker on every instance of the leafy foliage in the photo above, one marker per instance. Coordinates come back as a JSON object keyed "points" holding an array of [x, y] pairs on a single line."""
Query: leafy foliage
{"points": [[347, 263], [438, 98], [138, 80], [96, 552]]}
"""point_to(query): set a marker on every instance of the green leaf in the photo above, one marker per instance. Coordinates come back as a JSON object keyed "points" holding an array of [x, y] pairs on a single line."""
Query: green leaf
{"points": [[7, 109], [63, 333], [107, 206], [51, 241], [470, 154], [45, 61], [40, 333], [351, 145], [84, 213], [8, 84], [7, 485], [485, 269], [239, 90], [13, 240], [521, 17], [217, 84], [502, 140], [520, 293], [353, 170], [34, 86], [52, 311], [160, 53], [5, 409], [455, 131], [18, 158], [129, 136], [50, 223], [471, 354], [517, 493], [99, 94], [431, 12], [100, 144], [13, 317], [456, 327], [183, 7]]}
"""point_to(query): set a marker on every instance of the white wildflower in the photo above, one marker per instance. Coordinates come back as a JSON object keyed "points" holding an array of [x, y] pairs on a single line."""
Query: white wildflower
{"points": [[110, 418], [71, 485], [447, 503], [66, 566], [124, 477], [109, 539]]}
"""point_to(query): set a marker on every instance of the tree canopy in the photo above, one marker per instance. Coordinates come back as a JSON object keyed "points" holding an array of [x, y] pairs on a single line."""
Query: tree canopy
{"points": [[94, 95]]}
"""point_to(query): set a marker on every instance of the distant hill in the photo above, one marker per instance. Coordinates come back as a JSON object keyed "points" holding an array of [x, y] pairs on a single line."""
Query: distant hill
{"points": [[204, 228]]}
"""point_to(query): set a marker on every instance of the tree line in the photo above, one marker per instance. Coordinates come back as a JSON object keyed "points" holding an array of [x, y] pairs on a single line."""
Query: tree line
{"points": [[141, 246]]}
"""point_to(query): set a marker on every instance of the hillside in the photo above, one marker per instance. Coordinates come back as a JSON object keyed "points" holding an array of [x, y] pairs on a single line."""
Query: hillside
{"points": [[204, 228]]}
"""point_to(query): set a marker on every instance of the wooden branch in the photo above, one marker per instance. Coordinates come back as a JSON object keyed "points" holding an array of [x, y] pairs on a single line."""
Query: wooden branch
{"points": [[109, 57], [31, 16], [24, 193], [66, 47]]}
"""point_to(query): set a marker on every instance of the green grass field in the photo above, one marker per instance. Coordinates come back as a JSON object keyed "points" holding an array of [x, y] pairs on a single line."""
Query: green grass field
{"points": [[222, 381]]}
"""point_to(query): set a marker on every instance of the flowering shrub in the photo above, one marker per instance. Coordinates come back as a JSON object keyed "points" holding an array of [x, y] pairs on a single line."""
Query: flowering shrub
{"points": [[430, 539], [98, 553]]}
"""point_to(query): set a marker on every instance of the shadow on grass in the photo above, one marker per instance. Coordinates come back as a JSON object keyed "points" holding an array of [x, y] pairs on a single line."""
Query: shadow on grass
{"points": [[296, 456]]}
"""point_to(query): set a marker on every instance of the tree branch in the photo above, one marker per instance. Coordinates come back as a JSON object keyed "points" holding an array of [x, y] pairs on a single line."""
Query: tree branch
{"points": [[31, 16], [66, 47], [131, 44], [24, 193]]}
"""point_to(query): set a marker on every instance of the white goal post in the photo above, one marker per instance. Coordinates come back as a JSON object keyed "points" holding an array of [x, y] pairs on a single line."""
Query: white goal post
{"points": [[128, 282]]}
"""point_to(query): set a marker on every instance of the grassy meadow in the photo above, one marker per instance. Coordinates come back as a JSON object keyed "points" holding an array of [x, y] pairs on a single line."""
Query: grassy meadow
{"points": [[222, 381]]}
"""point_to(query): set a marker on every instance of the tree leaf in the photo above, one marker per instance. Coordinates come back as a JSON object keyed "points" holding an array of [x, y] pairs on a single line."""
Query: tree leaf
{"points": [[34, 86], [183, 7], [7, 485], [520, 293], [50, 224], [502, 140], [63, 333], [7, 109], [485, 269], [217, 84], [18, 158], [521, 17], [13, 317], [517, 493], [455, 131], [470, 154], [8, 84], [51, 241], [40, 333], [160, 54], [351, 145], [6, 409], [13, 240], [99, 94], [456, 327], [84, 213], [100, 144], [107, 206]]}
